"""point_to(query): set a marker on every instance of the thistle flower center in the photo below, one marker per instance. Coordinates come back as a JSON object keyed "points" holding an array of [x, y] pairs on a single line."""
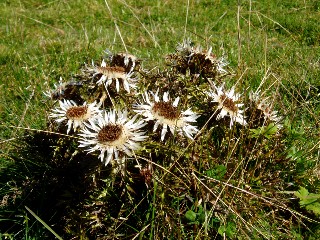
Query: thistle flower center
{"points": [[110, 133], [229, 103], [76, 112], [166, 110], [114, 72], [266, 110]]}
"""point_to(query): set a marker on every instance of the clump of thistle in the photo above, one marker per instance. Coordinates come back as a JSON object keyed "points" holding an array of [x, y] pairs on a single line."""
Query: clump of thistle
{"points": [[205, 185]]}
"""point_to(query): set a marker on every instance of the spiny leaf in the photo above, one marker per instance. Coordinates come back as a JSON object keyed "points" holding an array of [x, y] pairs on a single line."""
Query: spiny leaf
{"points": [[309, 200], [266, 131]]}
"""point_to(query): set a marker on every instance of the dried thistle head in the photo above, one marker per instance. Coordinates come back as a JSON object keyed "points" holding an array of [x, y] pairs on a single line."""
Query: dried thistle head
{"points": [[196, 60], [65, 90], [128, 61], [261, 111]]}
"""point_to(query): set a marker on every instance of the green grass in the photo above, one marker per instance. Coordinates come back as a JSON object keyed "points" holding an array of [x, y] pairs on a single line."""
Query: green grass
{"points": [[224, 184]]}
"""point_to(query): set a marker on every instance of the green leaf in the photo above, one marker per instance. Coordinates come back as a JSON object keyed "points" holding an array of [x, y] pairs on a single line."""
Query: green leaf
{"points": [[310, 201], [217, 172], [201, 216], [191, 215], [306, 198], [221, 230], [303, 192], [314, 207], [266, 131], [229, 229]]}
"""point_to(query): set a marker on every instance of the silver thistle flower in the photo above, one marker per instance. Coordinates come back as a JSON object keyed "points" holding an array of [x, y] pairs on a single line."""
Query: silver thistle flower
{"points": [[228, 103], [117, 74], [75, 115], [165, 112], [114, 135]]}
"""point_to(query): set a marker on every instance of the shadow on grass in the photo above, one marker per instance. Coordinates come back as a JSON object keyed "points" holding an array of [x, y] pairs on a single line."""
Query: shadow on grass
{"points": [[71, 191]]}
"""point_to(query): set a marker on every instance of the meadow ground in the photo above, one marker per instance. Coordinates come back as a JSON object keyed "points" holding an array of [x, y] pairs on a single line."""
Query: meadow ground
{"points": [[255, 181]]}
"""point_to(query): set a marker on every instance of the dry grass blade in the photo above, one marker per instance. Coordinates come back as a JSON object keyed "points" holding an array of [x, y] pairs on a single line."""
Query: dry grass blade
{"points": [[43, 223]]}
